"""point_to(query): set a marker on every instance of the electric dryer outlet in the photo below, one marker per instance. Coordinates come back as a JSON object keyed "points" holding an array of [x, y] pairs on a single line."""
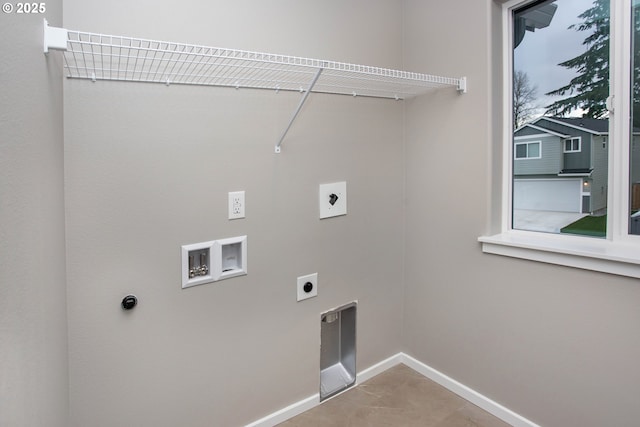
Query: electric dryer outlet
{"points": [[307, 286]]}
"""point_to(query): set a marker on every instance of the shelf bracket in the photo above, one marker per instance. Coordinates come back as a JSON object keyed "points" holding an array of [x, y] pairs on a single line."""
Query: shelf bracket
{"points": [[295, 113], [462, 85], [54, 38]]}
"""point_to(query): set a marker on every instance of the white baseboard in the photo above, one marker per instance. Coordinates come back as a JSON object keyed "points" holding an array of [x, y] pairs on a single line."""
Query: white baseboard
{"points": [[313, 401], [492, 407], [289, 412], [379, 368], [447, 382]]}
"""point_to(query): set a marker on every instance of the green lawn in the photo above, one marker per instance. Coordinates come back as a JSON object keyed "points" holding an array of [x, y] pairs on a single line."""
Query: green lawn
{"points": [[595, 226]]}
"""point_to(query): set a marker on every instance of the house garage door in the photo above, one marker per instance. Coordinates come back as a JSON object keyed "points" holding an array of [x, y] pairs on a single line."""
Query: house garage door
{"points": [[561, 195]]}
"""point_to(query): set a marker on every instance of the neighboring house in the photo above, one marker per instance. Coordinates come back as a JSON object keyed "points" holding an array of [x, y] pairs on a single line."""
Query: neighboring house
{"points": [[561, 164]]}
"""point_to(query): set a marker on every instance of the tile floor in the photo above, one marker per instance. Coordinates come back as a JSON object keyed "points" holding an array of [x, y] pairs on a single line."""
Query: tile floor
{"points": [[398, 397]]}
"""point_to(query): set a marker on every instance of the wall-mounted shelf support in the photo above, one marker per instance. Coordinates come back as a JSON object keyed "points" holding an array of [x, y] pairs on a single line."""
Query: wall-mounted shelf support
{"points": [[54, 38], [102, 57], [295, 113], [462, 85]]}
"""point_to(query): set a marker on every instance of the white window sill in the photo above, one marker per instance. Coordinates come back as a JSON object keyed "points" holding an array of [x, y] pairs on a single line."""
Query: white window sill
{"points": [[588, 253]]}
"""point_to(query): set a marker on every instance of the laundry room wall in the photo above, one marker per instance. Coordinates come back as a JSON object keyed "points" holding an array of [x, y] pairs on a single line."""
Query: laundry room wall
{"points": [[33, 310], [556, 345], [148, 168]]}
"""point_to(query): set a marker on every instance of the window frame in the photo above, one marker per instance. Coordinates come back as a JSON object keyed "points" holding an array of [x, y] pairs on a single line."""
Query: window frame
{"points": [[571, 140], [617, 253], [527, 157]]}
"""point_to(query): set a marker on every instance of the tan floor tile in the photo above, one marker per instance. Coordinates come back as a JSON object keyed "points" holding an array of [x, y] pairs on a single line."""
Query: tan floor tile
{"points": [[398, 397], [393, 377], [472, 416], [389, 417]]}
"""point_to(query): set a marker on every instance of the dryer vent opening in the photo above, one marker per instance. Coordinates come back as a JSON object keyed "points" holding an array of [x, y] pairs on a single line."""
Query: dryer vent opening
{"points": [[337, 350]]}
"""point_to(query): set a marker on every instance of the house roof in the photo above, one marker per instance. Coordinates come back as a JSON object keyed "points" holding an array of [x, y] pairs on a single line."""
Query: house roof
{"points": [[594, 126], [576, 172], [541, 129]]}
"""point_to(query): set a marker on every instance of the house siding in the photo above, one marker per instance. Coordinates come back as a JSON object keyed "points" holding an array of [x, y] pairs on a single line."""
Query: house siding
{"points": [[578, 160], [549, 163], [581, 159], [635, 160], [586, 204], [599, 177]]}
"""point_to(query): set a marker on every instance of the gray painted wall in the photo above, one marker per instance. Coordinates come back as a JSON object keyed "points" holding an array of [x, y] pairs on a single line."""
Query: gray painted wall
{"points": [[33, 329], [148, 168], [557, 345]]}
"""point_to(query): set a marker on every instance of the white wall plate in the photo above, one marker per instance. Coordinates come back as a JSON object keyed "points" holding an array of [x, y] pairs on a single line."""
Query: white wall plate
{"points": [[307, 286], [193, 272], [236, 204], [229, 258], [333, 199], [223, 259]]}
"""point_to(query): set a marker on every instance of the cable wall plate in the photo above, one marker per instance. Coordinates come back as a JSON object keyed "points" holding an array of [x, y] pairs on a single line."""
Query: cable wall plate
{"points": [[332, 199]]}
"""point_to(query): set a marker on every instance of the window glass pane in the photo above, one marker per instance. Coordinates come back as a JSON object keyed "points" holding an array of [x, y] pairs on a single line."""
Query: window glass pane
{"points": [[634, 155], [534, 150], [521, 151], [572, 145], [560, 87]]}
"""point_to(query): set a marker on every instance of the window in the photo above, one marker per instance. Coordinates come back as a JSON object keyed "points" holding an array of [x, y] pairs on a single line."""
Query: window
{"points": [[580, 64], [572, 145], [527, 150], [560, 85], [634, 137]]}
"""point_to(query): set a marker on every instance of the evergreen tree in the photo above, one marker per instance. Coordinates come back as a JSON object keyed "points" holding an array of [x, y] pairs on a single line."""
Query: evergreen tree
{"points": [[590, 88]]}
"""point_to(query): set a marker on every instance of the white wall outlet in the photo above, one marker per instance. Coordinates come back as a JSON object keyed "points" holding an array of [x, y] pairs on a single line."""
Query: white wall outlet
{"points": [[333, 199], [236, 205], [307, 286]]}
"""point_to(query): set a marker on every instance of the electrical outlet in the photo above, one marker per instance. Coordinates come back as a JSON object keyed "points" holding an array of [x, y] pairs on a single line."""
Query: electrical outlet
{"points": [[307, 286], [236, 204]]}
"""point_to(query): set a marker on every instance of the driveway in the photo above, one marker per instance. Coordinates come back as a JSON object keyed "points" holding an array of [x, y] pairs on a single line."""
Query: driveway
{"points": [[547, 221]]}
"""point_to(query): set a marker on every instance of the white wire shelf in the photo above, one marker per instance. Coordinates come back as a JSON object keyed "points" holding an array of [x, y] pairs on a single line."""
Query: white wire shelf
{"points": [[106, 57]]}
